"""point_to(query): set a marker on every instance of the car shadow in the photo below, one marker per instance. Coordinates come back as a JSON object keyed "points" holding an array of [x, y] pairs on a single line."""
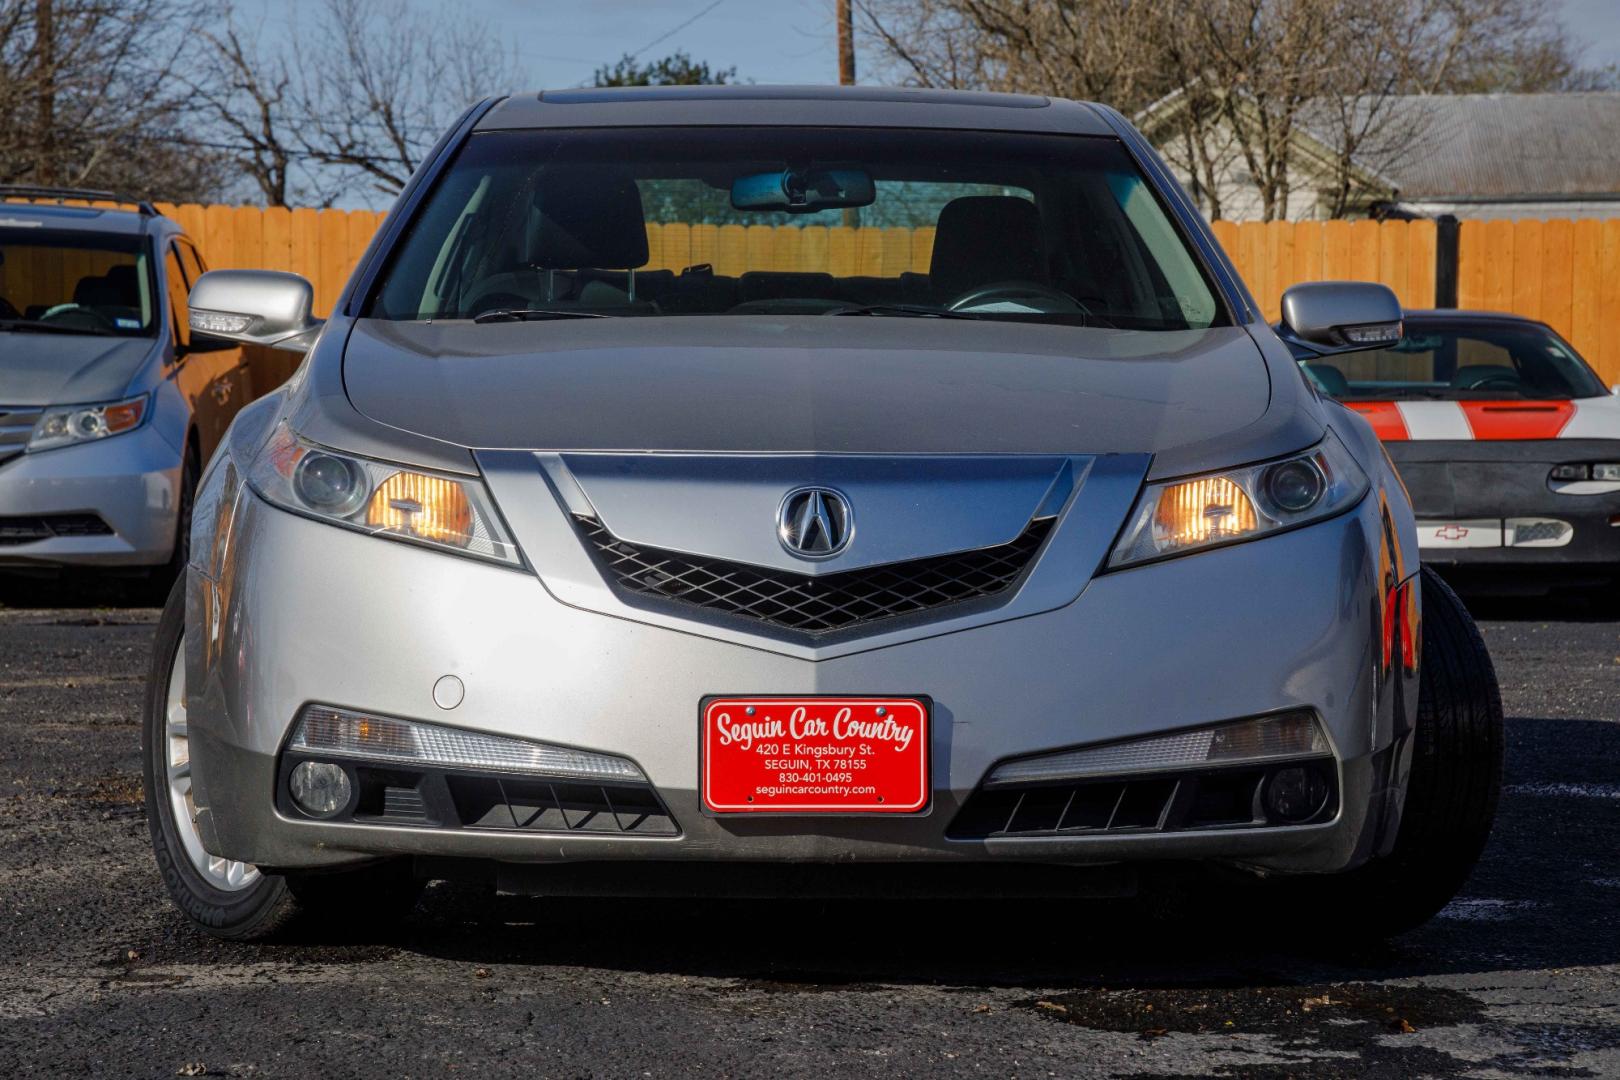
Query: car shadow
{"points": [[1545, 894], [79, 589], [1569, 605]]}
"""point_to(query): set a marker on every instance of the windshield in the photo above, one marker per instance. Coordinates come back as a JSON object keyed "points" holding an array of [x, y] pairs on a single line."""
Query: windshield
{"points": [[1461, 361], [795, 221], [92, 284]]}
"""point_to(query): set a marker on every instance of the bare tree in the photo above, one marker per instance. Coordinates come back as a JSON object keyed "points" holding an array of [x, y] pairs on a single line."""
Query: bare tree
{"points": [[246, 96], [381, 82], [89, 91], [1235, 84], [1074, 48]]}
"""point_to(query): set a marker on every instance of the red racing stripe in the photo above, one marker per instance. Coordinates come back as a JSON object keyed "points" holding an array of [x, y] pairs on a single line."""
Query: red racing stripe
{"points": [[1384, 417], [1518, 419]]}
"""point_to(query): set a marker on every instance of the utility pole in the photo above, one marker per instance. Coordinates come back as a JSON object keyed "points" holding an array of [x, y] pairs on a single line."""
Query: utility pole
{"points": [[846, 75], [45, 78], [846, 43]]}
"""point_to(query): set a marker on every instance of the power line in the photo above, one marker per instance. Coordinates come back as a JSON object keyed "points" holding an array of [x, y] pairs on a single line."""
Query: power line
{"points": [[671, 33]]}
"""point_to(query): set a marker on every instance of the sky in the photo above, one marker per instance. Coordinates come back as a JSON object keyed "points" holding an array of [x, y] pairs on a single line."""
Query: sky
{"points": [[562, 42], [1595, 23], [769, 41]]}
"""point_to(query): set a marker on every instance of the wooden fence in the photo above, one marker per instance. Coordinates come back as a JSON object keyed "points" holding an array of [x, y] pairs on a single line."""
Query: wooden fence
{"points": [[1566, 273]]}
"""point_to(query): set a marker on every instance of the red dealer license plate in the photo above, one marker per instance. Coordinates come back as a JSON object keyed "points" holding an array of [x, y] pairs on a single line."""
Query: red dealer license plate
{"points": [[815, 755]]}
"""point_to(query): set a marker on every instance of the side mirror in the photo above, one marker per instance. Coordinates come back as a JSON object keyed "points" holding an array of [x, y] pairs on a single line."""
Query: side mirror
{"points": [[1326, 317], [255, 307]]}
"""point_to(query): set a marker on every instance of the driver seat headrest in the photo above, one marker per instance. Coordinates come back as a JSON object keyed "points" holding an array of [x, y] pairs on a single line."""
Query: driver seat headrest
{"points": [[983, 239], [95, 292], [1468, 376], [587, 220], [126, 282]]}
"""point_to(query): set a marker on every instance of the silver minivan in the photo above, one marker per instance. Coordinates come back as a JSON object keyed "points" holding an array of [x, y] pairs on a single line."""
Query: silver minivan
{"points": [[109, 404]]}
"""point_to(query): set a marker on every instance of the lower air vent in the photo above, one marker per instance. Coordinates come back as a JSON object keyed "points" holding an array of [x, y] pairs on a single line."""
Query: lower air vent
{"points": [[1214, 799], [435, 798], [539, 806], [403, 804], [812, 605], [27, 530]]}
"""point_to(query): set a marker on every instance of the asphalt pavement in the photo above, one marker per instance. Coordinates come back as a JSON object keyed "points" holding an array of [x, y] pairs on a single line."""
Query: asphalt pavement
{"points": [[99, 976]]}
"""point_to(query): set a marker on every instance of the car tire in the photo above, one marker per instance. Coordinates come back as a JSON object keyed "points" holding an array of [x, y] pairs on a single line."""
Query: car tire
{"points": [[230, 899], [1451, 792], [160, 579]]}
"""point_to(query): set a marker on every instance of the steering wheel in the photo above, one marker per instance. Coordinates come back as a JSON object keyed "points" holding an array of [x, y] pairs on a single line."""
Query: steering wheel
{"points": [[78, 317], [1016, 291], [1502, 382]]}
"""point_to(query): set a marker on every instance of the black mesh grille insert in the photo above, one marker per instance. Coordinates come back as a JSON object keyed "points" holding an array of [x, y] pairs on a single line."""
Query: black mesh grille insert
{"points": [[26, 530], [813, 605]]}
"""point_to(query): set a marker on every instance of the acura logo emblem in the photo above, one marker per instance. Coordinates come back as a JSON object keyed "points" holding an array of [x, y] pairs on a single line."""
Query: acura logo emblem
{"points": [[815, 523]]}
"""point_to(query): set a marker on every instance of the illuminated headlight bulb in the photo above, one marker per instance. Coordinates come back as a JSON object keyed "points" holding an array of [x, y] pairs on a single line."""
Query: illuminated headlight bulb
{"points": [[1199, 511]]}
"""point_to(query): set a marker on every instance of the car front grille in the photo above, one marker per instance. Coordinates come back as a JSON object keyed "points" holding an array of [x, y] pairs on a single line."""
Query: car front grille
{"points": [[811, 605], [16, 425], [27, 530]]}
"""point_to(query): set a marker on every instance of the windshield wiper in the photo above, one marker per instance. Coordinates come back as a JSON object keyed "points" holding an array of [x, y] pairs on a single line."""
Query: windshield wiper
{"points": [[535, 315], [52, 328], [914, 311]]}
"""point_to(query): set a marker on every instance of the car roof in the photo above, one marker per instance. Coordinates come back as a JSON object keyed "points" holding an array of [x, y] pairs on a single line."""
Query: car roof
{"points": [[91, 219], [830, 106]]}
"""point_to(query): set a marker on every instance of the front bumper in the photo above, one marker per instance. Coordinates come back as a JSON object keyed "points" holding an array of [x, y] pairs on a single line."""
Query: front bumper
{"points": [[1489, 504], [306, 612], [131, 482]]}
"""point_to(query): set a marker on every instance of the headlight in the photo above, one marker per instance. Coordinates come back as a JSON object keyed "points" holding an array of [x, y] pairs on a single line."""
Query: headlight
{"points": [[449, 512], [85, 423], [1180, 516]]}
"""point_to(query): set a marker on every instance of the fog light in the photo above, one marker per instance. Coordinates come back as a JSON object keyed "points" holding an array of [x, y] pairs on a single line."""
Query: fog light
{"points": [[319, 788], [1295, 794]]}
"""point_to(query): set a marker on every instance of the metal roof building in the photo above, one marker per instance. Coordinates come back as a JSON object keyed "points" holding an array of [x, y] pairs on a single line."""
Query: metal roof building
{"points": [[1510, 155]]}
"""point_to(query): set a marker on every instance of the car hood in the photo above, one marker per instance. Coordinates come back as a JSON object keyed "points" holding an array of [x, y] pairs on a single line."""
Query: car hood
{"points": [[67, 369], [812, 385]]}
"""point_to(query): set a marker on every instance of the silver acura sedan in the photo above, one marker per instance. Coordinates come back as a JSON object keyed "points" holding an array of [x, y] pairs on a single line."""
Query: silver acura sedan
{"points": [[800, 490]]}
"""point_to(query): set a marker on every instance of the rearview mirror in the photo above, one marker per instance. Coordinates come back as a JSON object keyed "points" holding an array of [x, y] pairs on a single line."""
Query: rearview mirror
{"points": [[803, 190], [1326, 317], [255, 307]]}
